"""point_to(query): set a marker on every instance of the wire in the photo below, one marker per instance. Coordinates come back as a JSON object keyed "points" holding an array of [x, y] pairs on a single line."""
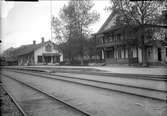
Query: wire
{"points": [[51, 20]]}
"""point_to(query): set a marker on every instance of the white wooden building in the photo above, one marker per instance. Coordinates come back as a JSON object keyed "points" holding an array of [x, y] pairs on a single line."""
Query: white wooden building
{"points": [[117, 44], [44, 53]]}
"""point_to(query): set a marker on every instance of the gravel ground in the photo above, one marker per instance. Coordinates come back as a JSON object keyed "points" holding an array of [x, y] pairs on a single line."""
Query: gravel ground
{"points": [[158, 85], [8, 108], [96, 101], [35, 103]]}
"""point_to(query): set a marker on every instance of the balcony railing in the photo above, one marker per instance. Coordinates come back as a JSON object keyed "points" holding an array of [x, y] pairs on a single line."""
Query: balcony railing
{"points": [[116, 43]]}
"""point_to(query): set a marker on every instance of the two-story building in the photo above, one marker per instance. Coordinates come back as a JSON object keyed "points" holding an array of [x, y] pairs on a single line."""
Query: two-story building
{"points": [[118, 44], [44, 53]]}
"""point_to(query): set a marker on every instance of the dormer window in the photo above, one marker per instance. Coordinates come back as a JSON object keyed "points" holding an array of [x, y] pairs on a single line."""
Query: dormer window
{"points": [[48, 48]]}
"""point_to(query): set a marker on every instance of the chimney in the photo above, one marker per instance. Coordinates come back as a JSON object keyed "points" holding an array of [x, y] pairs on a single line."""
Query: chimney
{"points": [[34, 42], [42, 40]]}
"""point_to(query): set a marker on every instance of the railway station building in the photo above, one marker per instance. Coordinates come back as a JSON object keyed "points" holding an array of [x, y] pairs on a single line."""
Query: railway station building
{"points": [[116, 44], [44, 53]]}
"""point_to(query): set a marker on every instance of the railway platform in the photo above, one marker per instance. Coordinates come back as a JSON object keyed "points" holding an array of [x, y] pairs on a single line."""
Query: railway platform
{"points": [[153, 71]]}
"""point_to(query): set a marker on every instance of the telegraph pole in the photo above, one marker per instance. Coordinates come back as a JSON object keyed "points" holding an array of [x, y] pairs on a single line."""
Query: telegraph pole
{"points": [[51, 20]]}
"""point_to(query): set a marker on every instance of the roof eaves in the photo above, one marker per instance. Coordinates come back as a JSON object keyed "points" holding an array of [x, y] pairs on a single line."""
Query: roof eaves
{"points": [[106, 22]]}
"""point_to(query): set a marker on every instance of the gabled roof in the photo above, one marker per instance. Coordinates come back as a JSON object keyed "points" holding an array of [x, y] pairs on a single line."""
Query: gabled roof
{"points": [[123, 29], [110, 18], [25, 49], [120, 29]]}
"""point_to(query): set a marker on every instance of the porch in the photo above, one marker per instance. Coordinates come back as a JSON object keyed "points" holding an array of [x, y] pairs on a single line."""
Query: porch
{"points": [[48, 59], [120, 55]]}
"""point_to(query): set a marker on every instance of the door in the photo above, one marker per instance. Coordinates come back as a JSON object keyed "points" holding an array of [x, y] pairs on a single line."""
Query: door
{"points": [[159, 54], [110, 53], [47, 59], [56, 59]]}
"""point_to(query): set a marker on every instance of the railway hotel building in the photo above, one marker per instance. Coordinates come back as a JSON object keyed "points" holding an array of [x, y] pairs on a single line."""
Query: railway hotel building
{"points": [[112, 47], [44, 53]]}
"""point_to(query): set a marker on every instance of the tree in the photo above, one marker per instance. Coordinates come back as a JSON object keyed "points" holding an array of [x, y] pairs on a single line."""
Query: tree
{"points": [[76, 17], [91, 47], [10, 55], [144, 14], [9, 52], [57, 29]]}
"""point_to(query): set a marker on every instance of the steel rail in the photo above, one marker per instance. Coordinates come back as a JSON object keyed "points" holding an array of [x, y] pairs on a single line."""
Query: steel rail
{"points": [[107, 82], [14, 100], [91, 80], [139, 76], [121, 91], [49, 95], [134, 76]]}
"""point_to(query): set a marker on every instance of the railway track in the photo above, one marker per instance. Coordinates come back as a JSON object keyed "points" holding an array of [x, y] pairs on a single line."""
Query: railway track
{"points": [[98, 73], [73, 108], [14, 100], [128, 89]]}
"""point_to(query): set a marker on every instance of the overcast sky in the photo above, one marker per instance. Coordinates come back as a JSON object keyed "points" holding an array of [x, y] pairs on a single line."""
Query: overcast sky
{"points": [[23, 22]]}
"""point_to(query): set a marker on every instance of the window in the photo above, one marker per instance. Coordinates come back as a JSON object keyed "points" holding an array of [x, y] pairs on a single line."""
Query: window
{"points": [[39, 59], [149, 52], [115, 37], [165, 36], [119, 53], [103, 40], [119, 37], [48, 48], [110, 38], [109, 54]]}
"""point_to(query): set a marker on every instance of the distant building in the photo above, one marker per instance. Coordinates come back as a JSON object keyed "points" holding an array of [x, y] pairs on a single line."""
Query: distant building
{"points": [[117, 44], [44, 53]]}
